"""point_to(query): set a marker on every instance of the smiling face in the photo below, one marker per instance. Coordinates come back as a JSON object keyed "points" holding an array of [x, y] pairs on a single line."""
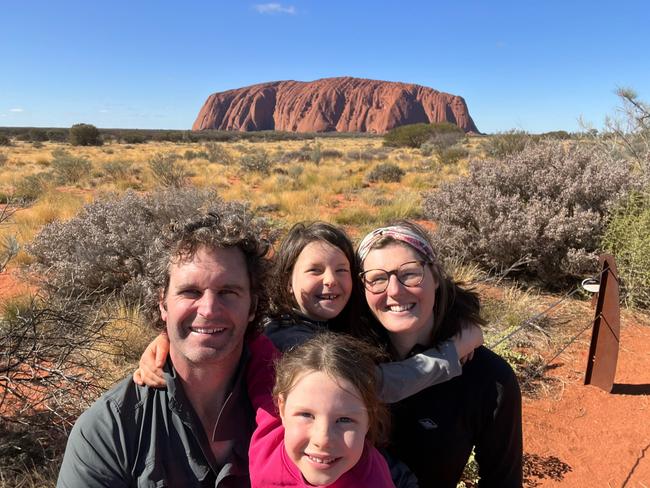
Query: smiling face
{"points": [[321, 281], [323, 438], [207, 307], [405, 312]]}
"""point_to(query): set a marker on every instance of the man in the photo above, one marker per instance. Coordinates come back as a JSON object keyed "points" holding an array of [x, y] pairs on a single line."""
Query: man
{"points": [[208, 291]]}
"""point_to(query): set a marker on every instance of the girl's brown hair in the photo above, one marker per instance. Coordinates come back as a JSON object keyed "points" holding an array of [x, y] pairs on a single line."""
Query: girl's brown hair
{"points": [[338, 356], [282, 300]]}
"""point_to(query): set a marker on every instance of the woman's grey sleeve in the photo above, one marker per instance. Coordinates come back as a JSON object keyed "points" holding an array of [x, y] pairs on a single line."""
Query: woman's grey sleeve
{"points": [[402, 379]]}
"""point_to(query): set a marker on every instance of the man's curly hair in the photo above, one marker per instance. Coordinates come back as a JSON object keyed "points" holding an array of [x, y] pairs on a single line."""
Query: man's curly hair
{"points": [[224, 225]]}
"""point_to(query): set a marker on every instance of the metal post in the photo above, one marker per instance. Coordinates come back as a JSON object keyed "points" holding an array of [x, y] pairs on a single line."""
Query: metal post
{"points": [[605, 336]]}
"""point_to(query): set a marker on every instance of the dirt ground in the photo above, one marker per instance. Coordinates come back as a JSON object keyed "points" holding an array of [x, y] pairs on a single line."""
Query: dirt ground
{"points": [[581, 436]]}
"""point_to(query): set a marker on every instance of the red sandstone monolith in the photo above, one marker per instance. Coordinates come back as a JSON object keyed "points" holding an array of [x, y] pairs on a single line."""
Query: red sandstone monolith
{"points": [[331, 104]]}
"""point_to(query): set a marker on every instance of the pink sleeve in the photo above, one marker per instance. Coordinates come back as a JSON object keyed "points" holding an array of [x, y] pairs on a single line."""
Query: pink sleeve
{"points": [[267, 440], [260, 373], [265, 451]]}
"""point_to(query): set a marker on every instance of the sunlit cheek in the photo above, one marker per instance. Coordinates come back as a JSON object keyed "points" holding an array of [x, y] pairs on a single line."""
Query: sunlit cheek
{"points": [[354, 440], [295, 432]]}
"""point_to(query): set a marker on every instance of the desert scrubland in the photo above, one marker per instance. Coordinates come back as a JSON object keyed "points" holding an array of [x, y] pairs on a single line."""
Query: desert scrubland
{"points": [[522, 218]]}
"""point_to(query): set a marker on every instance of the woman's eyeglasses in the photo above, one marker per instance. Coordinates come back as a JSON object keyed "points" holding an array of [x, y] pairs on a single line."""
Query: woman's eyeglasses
{"points": [[408, 274]]}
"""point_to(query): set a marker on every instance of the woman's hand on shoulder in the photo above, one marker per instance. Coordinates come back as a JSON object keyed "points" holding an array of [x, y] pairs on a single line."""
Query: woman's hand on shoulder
{"points": [[467, 340], [153, 358]]}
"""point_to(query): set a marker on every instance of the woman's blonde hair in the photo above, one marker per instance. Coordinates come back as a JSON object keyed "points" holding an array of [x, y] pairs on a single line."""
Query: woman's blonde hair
{"points": [[338, 356]]}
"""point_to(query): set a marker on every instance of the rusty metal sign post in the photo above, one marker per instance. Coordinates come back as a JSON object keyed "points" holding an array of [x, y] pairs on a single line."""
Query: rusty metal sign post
{"points": [[605, 336]]}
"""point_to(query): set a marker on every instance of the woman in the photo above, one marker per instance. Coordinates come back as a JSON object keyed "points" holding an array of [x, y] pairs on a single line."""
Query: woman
{"points": [[417, 306]]}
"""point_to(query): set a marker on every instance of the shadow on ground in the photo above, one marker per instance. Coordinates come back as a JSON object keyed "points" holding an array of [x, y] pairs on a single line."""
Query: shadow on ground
{"points": [[537, 468], [626, 389]]}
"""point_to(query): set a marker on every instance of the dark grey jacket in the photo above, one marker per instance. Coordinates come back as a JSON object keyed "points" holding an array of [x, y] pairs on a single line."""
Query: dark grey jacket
{"points": [[137, 436]]}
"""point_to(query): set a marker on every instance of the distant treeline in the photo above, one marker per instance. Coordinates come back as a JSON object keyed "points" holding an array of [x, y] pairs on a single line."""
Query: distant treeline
{"points": [[139, 136]]}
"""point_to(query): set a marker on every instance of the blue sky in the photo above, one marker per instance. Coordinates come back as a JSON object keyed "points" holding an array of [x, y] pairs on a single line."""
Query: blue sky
{"points": [[528, 65]]}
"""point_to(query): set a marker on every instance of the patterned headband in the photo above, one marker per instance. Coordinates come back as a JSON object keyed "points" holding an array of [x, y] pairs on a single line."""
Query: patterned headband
{"points": [[399, 233]]}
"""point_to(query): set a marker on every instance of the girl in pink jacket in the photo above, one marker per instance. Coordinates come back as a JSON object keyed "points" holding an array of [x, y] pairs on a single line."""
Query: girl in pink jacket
{"points": [[326, 417]]}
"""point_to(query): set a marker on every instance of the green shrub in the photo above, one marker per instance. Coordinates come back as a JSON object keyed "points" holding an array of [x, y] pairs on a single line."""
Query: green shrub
{"points": [[256, 161], [134, 139], [118, 169], [58, 135], [316, 153], [309, 152], [560, 135], [217, 153], [387, 172], [69, 169], [4, 140], [545, 205], [451, 155], [627, 237], [37, 135], [427, 149], [302, 156], [366, 155], [295, 171], [30, 187], [167, 170], [445, 136], [84, 135], [331, 154], [190, 155], [414, 135], [506, 143]]}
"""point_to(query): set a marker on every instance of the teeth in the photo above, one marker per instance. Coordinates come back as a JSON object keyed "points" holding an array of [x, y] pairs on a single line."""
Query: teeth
{"points": [[328, 297], [401, 308], [321, 460], [200, 330]]}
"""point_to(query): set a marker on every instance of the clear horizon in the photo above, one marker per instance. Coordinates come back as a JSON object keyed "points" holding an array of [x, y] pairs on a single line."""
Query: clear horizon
{"points": [[152, 64]]}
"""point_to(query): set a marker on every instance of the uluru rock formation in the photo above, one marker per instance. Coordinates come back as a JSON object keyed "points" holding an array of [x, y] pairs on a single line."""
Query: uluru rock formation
{"points": [[331, 104]]}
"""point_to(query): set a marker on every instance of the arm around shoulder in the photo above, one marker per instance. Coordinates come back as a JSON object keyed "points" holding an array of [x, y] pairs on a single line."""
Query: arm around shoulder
{"points": [[402, 379]]}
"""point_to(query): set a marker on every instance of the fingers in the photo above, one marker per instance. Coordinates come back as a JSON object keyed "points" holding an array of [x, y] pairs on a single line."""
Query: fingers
{"points": [[152, 378], [153, 359], [467, 357], [142, 378], [137, 377], [162, 351], [467, 340], [478, 334]]}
